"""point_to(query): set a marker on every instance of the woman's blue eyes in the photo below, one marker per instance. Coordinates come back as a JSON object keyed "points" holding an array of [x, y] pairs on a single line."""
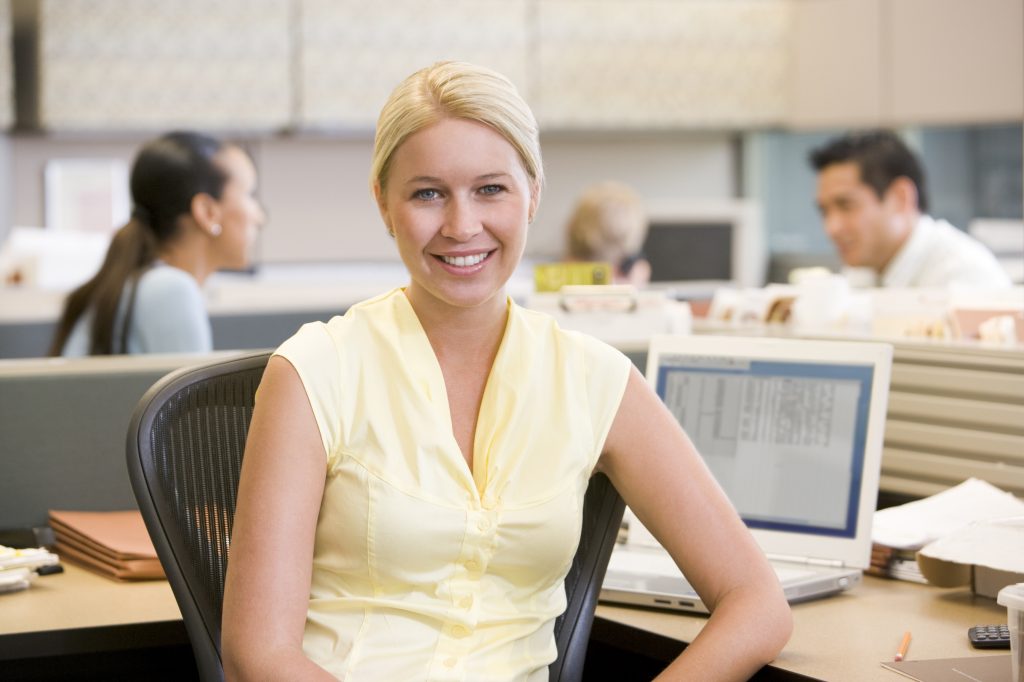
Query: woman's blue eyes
{"points": [[432, 194], [426, 194]]}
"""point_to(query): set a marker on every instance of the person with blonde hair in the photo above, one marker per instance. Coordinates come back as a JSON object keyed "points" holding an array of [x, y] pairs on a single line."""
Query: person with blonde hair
{"points": [[609, 224], [413, 481]]}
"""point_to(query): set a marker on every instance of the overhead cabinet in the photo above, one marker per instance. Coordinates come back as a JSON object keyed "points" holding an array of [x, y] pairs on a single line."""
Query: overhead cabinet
{"points": [[582, 64]]}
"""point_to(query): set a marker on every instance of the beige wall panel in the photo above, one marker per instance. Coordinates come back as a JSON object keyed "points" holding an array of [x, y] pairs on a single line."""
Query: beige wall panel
{"points": [[318, 198], [353, 52], [837, 64], [639, 64], [153, 65], [317, 193], [956, 61]]}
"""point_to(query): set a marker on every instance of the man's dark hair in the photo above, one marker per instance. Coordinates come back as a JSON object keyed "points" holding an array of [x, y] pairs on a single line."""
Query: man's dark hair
{"points": [[881, 156]]}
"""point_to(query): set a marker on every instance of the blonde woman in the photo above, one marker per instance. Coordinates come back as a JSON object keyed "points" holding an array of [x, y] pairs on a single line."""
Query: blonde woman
{"points": [[609, 224], [412, 487]]}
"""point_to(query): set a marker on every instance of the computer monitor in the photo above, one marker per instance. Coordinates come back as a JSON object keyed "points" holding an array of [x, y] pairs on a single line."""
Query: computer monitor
{"points": [[697, 246]]}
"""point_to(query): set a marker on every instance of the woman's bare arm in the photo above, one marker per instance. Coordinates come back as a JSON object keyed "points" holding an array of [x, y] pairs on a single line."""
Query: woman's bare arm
{"points": [[665, 482], [266, 594]]}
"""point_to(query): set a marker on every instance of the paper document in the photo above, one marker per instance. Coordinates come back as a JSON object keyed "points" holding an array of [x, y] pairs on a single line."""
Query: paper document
{"points": [[114, 543], [915, 524], [976, 668]]}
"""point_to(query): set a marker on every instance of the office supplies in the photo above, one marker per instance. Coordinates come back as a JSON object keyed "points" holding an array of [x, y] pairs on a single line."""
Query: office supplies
{"points": [[1012, 597], [901, 653], [974, 668], [989, 636], [899, 532], [114, 543], [16, 579], [985, 554], [914, 524], [617, 314], [30, 558], [19, 567], [889, 562], [792, 430], [554, 276]]}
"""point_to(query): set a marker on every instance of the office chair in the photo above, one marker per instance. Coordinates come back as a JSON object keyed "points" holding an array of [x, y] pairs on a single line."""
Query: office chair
{"points": [[185, 445]]}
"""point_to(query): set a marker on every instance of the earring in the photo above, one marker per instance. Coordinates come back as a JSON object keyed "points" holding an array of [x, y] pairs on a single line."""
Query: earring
{"points": [[215, 230]]}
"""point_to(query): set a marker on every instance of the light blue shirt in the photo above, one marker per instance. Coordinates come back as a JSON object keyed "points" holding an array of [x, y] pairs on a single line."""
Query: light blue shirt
{"points": [[169, 317]]}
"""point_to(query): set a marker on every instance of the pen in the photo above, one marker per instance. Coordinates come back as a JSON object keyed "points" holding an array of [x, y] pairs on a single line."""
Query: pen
{"points": [[904, 645]]}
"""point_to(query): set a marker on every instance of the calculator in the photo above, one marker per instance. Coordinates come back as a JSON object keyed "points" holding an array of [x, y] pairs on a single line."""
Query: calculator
{"points": [[989, 636]]}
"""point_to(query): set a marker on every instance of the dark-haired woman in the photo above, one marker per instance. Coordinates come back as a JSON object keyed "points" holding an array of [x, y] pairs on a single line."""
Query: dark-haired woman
{"points": [[194, 212]]}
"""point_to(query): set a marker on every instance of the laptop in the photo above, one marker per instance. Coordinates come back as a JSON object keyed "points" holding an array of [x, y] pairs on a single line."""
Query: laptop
{"points": [[792, 431]]}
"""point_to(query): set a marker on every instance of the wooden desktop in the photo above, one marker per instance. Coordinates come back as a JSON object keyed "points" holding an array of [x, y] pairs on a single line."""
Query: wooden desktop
{"points": [[83, 625], [838, 638], [844, 637]]}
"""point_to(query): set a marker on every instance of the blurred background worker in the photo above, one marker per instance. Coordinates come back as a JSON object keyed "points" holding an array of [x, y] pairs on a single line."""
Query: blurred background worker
{"points": [[609, 224], [194, 212], [872, 197]]}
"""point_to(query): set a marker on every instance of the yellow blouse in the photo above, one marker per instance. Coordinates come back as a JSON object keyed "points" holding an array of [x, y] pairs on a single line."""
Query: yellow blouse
{"points": [[422, 568]]}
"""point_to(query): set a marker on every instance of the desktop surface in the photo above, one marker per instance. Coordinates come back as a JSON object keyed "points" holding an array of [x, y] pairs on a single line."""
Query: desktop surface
{"points": [[78, 598], [83, 626], [845, 637], [840, 638]]}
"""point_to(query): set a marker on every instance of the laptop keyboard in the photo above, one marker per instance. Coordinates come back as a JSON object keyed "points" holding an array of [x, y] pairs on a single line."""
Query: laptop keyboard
{"points": [[659, 563], [790, 572], [653, 562]]}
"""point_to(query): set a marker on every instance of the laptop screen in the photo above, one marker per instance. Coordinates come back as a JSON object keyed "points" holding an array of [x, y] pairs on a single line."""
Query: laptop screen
{"points": [[785, 439]]}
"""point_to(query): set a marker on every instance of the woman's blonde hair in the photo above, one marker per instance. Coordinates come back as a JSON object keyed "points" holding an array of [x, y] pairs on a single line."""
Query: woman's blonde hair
{"points": [[609, 224], [455, 90]]}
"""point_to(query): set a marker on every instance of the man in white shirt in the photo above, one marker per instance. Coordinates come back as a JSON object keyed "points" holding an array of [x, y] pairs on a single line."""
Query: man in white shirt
{"points": [[871, 194]]}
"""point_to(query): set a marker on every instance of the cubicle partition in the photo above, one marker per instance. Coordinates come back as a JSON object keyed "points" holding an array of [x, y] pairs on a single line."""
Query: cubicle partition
{"points": [[62, 432], [231, 331], [955, 411]]}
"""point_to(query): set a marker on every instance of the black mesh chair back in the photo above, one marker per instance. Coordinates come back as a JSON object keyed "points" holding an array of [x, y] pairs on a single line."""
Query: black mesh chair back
{"points": [[185, 445], [602, 516]]}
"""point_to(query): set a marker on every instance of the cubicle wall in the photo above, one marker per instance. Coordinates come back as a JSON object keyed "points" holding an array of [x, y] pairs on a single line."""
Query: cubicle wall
{"points": [[63, 425], [954, 412], [236, 331]]}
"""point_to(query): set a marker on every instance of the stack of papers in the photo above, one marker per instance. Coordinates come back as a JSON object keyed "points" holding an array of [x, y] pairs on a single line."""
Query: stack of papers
{"points": [[115, 544], [900, 533], [890, 562], [915, 524], [18, 566]]}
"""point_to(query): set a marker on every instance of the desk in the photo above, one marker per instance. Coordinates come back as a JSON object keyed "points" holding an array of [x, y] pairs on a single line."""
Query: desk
{"points": [[72, 622], [844, 637], [838, 638]]}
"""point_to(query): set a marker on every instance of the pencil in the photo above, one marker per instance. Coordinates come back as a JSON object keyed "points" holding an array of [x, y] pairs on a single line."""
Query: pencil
{"points": [[901, 653]]}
